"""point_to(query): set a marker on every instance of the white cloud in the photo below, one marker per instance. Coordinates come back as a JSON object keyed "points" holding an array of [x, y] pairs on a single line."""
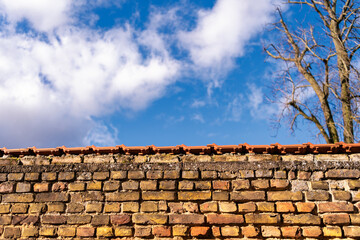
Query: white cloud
{"points": [[198, 103], [101, 135], [235, 108], [222, 32], [258, 107], [198, 117]]}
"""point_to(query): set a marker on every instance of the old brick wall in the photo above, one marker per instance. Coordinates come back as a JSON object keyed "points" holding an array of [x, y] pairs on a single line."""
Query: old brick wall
{"points": [[180, 196]]}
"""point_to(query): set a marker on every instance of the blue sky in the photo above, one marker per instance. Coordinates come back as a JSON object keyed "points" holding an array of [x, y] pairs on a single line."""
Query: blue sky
{"points": [[102, 72]]}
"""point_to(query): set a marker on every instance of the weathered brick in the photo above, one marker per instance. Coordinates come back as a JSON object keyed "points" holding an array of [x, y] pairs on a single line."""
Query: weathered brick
{"points": [[136, 174], [343, 173], [227, 207], [49, 176], [270, 231], [265, 206], [100, 220], [41, 187], [213, 218], [66, 176], [247, 207], [332, 231], [336, 219], [353, 184], [335, 207], [51, 197], [264, 173], [37, 208], [246, 173], [171, 174], [250, 231], [47, 231], [355, 219], [4, 208], [141, 231], [203, 185], [317, 196], [7, 187], [120, 219], [104, 232], [15, 176], [230, 231], [123, 231], [78, 219], [32, 176], [75, 207], [305, 206], [76, 186], [179, 230], [351, 231], [186, 219], [93, 207], [84, 176], [101, 175], [208, 174], [154, 174], [312, 231], [302, 175], [66, 159], [284, 196], [85, 231], [291, 231], [194, 195], [130, 185], [220, 196], [260, 184], [186, 185], [341, 195], [285, 207], [248, 196], [167, 185], [299, 185], [280, 174], [279, 183], [148, 185], [5, 220], [65, 231], [92, 158], [302, 219], [118, 175], [262, 218], [12, 232], [53, 219], [59, 187], [122, 196], [130, 207], [30, 231], [112, 207], [190, 174], [56, 207], [164, 195], [320, 185], [209, 207], [141, 218], [94, 186], [18, 197], [240, 184], [19, 208], [161, 231]]}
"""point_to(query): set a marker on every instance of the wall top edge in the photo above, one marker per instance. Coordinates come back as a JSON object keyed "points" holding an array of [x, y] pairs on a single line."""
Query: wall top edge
{"points": [[210, 149]]}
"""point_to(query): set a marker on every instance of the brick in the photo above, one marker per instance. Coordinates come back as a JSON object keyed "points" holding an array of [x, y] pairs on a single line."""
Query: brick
{"points": [[51, 197], [149, 206], [136, 174], [179, 230], [285, 196], [342, 173], [213, 218], [190, 174], [341, 195], [305, 206], [335, 207], [302, 219], [227, 207], [142, 218], [47, 231], [230, 231], [104, 232], [279, 183], [227, 175], [193, 196], [66, 159], [3, 177], [317, 196], [5, 220], [285, 207], [32, 176], [312, 231], [141, 231], [66, 231], [161, 231], [41, 187], [167, 185], [317, 175], [17, 197], [265, 207], [84, 176], [250, 231], [37, 208], [280, 174], [122, 196], [98, 159], [30, 231], [302, 175], [262, 218], [186, 219], [209, 207], [118, 175], [76, 186], [66, 176], [112, 207], [264, 173], [248, 196], [49, 176], [246, 207], [260, 184], [240, 184], [220, 196], [53, 219], [19, 208], [94, 186], [332, 231], [203, 185], [221, 185], [208, 174], [123, 231], [56, 207], [154, 174], [246, 174], [59, 187], [78, 219], [299, 185], [93, 207], [12, 232], [190, 207], [186, 185], [336, 219], [121, 219], [15, 176], [100, 220], [270, 231], [171, 174], [130, 207], [320, 185], [85, 231], [148, 185], [4, 208], [164, 195], [101, 175], [355, 219], [7, 187], [291, 231], [351, 231], [353, 184]]}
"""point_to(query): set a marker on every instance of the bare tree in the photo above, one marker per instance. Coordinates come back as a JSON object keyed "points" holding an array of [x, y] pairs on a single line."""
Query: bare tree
{"points": [[320, 81]]}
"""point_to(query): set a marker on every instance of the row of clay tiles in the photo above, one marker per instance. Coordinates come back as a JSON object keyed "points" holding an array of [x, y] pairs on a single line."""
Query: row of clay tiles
{"points": [[306, 148]]}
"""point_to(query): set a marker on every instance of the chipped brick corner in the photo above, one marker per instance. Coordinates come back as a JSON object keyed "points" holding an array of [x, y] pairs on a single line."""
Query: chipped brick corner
{"points": [[204, 194]]}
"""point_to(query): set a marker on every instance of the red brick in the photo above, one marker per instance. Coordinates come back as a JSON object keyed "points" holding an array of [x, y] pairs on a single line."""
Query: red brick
{"points": [[247, 207], [250, 231], [305, 206], [230, 231], [224, 218], [53, 219], [285, 207], [248, 196], [41, 187], [335, 207], [199, 231], [336, 219], [351, 231], [6, 187], [161, 231], [260, 184], [279, 183], [58, 187], [51, 197], [216, 231], [221, 185], [120, 219], [85, 231], [312, 231], [186, 219], [141, 231], [270, 231], [240, 184], [304, 175], [25, 220], [292, 232]]}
